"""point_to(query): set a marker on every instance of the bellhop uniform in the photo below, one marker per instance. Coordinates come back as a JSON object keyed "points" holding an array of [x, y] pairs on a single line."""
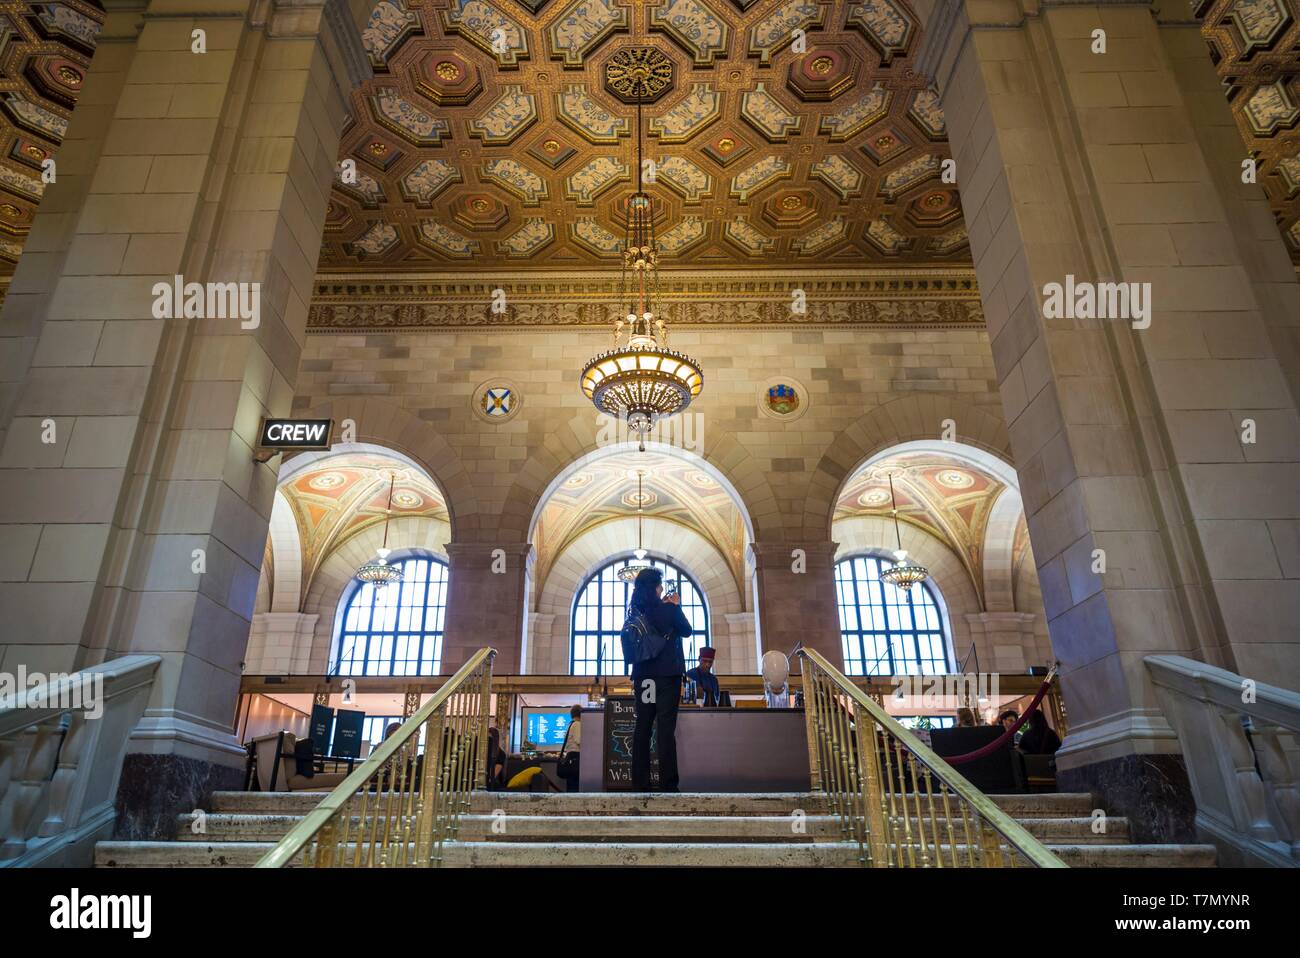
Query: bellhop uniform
{"points": [[706, 679]]}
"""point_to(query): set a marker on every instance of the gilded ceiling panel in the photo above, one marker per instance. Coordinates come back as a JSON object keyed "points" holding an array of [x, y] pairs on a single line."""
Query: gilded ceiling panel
{"points": [[783, 130], [45, 51], [1255, 45]]}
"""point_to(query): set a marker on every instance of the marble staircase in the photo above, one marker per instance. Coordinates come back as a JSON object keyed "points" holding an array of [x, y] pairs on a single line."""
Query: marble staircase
{"points": [[616, 829]]}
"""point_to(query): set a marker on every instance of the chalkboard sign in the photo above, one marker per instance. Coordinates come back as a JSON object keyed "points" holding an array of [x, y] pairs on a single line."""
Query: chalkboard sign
{"points": [[347, 733], [620, 723], [322, 717]]}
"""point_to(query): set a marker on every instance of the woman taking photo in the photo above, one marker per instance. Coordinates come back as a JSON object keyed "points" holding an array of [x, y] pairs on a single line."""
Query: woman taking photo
{"points": [[657, 682]]}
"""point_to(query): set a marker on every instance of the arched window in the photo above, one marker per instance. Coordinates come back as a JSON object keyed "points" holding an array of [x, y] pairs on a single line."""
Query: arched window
{"points": [[887, 630], [396, 630], [601, 606]]}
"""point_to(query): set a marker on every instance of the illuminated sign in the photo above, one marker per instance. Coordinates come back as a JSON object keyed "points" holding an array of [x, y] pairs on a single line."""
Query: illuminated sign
{"points": [[296, 433]]}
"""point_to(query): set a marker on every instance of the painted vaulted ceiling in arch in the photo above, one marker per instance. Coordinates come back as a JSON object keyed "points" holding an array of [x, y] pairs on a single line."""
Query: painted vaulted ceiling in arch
{"points": [[343, 495], [521, 155], [671, 488], [948, 497]]}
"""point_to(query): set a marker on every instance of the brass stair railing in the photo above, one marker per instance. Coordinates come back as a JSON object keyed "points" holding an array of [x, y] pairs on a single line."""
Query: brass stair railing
{"points": [[902, 804], [402, 805]]}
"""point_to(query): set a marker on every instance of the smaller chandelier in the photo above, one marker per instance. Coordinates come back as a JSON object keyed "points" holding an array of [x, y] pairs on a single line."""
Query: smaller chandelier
{"points": [[378, 572], [633, 569], [902, 575]]}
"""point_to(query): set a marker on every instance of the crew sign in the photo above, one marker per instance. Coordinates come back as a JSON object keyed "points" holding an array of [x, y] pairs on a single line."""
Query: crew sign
{"points": [[296, 433]]}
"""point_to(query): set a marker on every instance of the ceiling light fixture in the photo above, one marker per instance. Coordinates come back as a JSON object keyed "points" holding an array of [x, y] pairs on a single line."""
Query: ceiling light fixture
{"points": [[378, 572], [902, 574], [640, 380], [630, 571]]}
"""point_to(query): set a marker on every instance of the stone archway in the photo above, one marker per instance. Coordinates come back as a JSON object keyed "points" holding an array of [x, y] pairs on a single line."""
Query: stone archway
{"points": [[579, 440], [911, 419], [392, 427]]}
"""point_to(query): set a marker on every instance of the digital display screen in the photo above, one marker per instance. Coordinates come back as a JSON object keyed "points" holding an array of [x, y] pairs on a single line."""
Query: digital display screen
{"points": [[545, 727]]}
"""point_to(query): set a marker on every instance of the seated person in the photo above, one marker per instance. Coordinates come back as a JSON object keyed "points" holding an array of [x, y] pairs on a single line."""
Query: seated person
{"points": [[702, 675], [1038, 738], [1008, 720], [496, 761]]}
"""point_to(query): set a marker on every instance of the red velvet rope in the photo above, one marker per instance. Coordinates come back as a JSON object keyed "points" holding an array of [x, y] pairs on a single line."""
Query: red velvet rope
{"points": [[998, 742]]}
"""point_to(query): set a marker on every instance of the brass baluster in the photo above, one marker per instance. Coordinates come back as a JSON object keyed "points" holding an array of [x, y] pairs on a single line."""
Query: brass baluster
{"points": [[345, 813], [435, 745], [920, 816], [361, 824], [970, 841], [809, 715], [902, 802], [894, 789], [397, 855], [934, 823], [836, 768], [485, 703], [947, 814], [877, 834], [325, 846], [848, 776]]}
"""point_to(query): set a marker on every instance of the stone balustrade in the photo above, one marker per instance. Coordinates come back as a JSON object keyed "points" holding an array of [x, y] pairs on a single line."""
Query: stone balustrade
{"points": [[61, 748], [1241, 744]]}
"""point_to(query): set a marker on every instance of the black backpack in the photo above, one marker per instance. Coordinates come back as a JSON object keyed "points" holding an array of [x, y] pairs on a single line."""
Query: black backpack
{"points": [[641, 640]]}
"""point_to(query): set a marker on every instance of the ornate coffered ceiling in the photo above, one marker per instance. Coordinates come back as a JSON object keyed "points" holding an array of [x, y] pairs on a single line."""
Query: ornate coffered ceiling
{"points": [[1255, 45], [45, 49], [498, 133]]}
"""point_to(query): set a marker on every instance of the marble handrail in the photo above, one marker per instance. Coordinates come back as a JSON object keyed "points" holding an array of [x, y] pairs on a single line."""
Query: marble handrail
{"points": [[62, 742], [1241, 745]]}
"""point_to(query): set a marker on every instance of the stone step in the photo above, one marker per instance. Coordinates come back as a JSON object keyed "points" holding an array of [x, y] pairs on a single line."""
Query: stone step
{"points": [[524, 854], [1044, 805], [226, 827], [1136, 856]]}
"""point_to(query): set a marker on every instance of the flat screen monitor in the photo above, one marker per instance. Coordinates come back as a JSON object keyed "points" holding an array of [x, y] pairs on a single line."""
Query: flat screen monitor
{"points": [[544, 726]]}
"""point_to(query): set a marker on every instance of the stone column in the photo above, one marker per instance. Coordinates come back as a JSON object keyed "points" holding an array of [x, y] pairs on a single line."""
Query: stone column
{"points": [[1155, 529], [1005, 641], [147, 520], [280, 643], [741, 657], [486, 604], [796, 598]]}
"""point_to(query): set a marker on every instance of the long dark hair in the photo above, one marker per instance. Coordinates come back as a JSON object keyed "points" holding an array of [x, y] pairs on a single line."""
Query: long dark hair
{"points": [[643, 589]]}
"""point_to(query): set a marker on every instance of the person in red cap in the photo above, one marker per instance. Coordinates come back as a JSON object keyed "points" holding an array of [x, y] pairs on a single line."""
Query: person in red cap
{"points": [[702, 675]]}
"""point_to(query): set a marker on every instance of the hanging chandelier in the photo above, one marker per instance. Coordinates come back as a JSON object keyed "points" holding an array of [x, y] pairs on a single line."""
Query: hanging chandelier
{"points": [[378, 572], [640, 379], [902, 574], [633, 569]]}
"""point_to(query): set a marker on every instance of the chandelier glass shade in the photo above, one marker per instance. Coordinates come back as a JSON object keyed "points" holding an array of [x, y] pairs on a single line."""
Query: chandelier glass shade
{"points": [[377, 571], [902, 574], [641, 380]]}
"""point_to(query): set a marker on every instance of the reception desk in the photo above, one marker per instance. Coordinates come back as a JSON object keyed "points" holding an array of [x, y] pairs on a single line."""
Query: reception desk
{"points": [[719, 750]]}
